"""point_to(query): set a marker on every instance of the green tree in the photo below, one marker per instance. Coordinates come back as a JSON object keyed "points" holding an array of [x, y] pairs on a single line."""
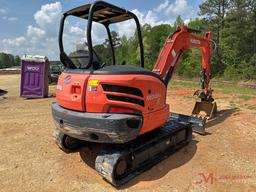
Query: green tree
{"points": [[179, 21], [199, 24], [17, 60], [154, 40], [239, 40], [214, 12], [6, 60]]}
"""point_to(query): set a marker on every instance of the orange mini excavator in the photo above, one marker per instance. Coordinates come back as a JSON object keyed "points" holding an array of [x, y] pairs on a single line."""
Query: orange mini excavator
{"points": [[124, 107]]}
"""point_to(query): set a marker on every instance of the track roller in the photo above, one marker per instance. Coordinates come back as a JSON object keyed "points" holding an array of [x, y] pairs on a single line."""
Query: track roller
{"points": [[66, 143]]}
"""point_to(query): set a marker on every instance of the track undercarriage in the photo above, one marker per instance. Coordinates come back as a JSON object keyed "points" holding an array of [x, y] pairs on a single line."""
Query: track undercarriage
{"points": [[118, 163]]}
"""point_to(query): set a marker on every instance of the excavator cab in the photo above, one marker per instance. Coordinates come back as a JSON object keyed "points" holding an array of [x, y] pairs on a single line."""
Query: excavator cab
{"points": [[99, 13]]}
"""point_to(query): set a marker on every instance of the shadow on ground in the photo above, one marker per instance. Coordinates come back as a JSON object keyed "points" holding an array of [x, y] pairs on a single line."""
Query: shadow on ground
{"points": [[221, 116], [3, 92], [89, 153], [175, 160]]}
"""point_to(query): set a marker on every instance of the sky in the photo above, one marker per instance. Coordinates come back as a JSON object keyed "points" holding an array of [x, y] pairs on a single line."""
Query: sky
{"points": [[31, 27]]}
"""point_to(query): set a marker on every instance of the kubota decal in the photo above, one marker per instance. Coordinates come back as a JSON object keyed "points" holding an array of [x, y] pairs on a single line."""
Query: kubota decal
{"points": [[153, 96], [195, 41], [67, 79]]}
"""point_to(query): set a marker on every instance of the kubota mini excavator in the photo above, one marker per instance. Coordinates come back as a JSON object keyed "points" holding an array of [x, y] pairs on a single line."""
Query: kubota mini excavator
{"points": [[124, 107]]}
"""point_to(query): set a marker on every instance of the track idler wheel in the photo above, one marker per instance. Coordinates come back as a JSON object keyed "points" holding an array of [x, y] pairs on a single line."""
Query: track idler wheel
{"points": [[66, 143], [120, 168], [113, 166]]}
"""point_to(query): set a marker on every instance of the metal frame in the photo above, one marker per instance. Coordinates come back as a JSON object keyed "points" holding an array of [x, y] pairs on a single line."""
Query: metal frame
{"points": [[67, 61]]}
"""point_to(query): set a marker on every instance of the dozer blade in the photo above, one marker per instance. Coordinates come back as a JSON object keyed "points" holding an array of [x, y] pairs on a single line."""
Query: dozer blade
{"points": [[197, 123], [205, 109]]}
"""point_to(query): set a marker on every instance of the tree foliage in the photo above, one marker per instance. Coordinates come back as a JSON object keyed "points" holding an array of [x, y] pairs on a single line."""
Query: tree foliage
{"points": [[8, 60], [233, 25]]}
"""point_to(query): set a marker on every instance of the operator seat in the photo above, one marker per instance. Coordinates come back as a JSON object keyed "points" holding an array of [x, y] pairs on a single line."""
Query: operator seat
{"points": [[81, 57]]}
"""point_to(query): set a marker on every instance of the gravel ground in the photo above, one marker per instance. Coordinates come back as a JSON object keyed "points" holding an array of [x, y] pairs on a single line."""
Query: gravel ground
{"points": [[223, 160]]}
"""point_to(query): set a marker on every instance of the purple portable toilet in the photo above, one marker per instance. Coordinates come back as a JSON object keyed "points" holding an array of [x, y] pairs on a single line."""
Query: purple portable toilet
{"points": [[34, 76]]}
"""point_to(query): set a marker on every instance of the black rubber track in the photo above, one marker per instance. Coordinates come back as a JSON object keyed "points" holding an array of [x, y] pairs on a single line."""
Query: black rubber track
{"points": [[67, 143], [141, 154]]}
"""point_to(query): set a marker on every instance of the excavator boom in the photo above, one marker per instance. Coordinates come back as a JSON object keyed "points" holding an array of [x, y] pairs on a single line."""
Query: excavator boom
{"points": [[178, 43], [175, 46]]}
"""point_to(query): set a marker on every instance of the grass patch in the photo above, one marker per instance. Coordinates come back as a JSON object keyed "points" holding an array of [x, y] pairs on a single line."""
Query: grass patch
{"points": [[233, 88], [251, 107], [232, 105], [245, 97], [228, 88], [189, 97], [184, 83]]}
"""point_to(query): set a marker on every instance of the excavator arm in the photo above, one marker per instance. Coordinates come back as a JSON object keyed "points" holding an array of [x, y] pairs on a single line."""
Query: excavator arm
{"points": [[175, 46], [178, 43]]}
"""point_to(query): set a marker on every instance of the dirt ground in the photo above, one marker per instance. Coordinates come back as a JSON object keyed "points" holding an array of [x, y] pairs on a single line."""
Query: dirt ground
{"points": [[222, 160]]}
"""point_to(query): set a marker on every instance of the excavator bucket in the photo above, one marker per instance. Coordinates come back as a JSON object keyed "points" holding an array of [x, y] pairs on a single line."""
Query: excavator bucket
{"points": [[205, 109]]}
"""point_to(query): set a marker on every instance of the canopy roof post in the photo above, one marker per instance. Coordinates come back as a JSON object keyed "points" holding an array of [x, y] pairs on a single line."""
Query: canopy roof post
{"points": [[106, 14]]}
